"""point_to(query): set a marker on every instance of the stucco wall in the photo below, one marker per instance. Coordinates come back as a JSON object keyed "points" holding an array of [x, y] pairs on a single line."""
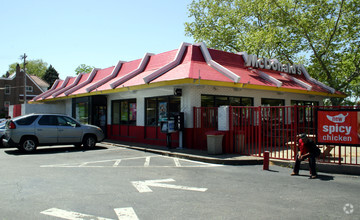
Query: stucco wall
{"points": [[59, 108]]}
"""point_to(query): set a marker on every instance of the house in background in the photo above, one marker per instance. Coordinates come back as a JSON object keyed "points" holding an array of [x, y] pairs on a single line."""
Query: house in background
{"points": [[12, 89]]}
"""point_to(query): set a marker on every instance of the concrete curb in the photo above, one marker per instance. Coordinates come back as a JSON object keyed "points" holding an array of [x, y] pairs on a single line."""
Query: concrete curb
{"points": [[201, 158]]}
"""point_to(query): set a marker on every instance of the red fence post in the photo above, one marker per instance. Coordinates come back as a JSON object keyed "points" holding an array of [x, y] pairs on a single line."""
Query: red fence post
{"points": [[266, 161], [231, 130], [259, 130]]}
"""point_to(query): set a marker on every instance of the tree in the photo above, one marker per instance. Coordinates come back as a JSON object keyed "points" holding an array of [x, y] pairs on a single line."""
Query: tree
{"points": [[51, 75], [323, 34], [82, 68], [33, 67]]}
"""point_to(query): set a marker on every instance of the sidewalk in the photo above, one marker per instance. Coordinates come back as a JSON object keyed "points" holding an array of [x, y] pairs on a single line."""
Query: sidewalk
{"points": [[231, 159]]}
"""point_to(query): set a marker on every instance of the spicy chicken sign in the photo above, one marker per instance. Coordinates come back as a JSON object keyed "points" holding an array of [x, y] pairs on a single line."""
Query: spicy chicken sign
{"points": [[338, 127]]}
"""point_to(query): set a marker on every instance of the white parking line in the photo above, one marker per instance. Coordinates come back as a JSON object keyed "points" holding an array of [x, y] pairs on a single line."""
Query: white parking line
{"points": [[126, 213], [177, 162], [117, 162], [70, 215], [147, 162]]}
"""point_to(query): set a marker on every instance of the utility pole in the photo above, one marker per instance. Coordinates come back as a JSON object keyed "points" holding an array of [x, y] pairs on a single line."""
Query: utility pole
{"points": [[24, 58]]}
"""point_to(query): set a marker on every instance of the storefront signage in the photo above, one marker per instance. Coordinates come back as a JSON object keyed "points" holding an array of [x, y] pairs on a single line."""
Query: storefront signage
{"points": [[253, 61], [163, 111], [339, 127]]}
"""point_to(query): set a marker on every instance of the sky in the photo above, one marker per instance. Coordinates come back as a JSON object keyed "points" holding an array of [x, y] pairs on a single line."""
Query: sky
{"points": [[97, 33]]}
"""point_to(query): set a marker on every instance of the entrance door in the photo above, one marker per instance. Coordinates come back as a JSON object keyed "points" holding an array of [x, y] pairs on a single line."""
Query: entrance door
{"points": [[100, 117]]}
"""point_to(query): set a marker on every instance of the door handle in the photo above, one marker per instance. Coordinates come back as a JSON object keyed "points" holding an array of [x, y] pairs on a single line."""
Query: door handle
{"points": [[61, 130]]}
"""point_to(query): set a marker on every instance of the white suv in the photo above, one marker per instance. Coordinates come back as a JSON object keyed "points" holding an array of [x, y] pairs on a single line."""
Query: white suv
{"points": [[29, 131]]}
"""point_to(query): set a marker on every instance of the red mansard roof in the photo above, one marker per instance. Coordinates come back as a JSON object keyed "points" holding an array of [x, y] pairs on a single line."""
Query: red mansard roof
{"points": [[100, 74], [190, 64]]}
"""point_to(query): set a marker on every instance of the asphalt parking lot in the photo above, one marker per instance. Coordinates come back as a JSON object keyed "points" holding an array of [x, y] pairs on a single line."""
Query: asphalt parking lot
{"points": [[113, 182]]}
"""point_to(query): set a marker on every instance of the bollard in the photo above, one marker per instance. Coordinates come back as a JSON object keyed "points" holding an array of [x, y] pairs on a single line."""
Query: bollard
{"points": [[266, 161]]}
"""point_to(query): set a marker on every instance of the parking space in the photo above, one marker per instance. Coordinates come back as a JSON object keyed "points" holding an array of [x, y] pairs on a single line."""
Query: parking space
{"points": [[143, 161]]}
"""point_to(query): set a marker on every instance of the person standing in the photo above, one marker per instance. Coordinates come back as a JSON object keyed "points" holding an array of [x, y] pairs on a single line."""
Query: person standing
{"points": [[308, 149]]}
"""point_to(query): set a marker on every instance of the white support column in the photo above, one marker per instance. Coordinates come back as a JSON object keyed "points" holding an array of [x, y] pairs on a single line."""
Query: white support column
{"points": [[223, 118], [191, 97], [140, 111]]}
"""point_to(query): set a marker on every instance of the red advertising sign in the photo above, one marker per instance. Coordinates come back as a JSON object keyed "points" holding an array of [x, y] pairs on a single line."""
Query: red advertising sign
{"points": [[338, 127]]}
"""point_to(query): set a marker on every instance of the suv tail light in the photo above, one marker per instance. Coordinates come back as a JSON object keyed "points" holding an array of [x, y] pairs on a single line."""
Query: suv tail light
{"points": [[12, 125]]}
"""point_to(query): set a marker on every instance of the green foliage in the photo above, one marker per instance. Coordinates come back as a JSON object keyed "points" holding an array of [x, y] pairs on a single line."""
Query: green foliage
{"points": [[323, 33], [82, 68], [51, 75], [33, 67]]}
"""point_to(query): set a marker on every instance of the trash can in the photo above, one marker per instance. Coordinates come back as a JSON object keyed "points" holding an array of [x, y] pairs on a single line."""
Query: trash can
{"points": [[214, 142]]}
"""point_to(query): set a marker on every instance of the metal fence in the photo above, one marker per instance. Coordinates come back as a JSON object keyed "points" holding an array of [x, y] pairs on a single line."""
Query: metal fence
{"points": [[254, 130], [205, 119]]}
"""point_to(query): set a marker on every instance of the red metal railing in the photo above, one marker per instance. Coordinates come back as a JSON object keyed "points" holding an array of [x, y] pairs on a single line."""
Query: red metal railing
{"points": [[254, 130], [205, 119]]}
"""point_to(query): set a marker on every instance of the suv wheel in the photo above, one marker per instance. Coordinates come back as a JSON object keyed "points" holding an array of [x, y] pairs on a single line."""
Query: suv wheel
{"points": [[28, 144], [89, 141]]}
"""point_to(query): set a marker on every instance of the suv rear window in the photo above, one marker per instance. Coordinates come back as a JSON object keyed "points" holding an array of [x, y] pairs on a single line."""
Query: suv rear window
{"points": [[27, 121]]}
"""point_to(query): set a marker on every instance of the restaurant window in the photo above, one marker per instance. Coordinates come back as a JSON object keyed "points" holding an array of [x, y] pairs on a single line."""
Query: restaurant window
{"points": [[115, 117], [159, 108], [216, 101], [124, 112], [304, 103], [82, 112], [306, 113], [272, 102]]}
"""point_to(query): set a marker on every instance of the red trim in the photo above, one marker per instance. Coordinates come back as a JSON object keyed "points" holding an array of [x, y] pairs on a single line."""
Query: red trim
{"points": [[141, 134]]}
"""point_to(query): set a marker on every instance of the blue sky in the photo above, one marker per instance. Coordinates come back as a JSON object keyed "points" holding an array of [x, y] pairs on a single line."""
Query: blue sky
{"points": [[68, 33]]}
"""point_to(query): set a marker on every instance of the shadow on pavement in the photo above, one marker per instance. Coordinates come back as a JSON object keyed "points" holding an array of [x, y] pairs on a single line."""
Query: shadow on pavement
{"points": [[325, 177], [321, 177], [53, 150]]}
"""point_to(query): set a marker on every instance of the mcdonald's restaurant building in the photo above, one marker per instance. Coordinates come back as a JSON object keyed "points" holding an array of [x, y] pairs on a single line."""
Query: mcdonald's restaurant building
{"points": [[133, 100]]}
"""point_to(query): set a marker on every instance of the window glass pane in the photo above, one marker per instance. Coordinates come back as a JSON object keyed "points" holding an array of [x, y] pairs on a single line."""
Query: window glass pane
{"points": [[115, 113], [272, 102], [27, 120], [174, 104], [151, 112], [82, 112], [221, 100], [124, 111], [246, 102], [235, 101], [29, 88], [66, 121], [132, 112], [47, 120], [304, 103], [163, 108], [207, 101], [7, 89]]}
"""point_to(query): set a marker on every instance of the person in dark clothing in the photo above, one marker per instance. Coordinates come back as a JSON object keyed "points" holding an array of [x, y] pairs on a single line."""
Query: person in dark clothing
{"points": [[306, 147]]}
